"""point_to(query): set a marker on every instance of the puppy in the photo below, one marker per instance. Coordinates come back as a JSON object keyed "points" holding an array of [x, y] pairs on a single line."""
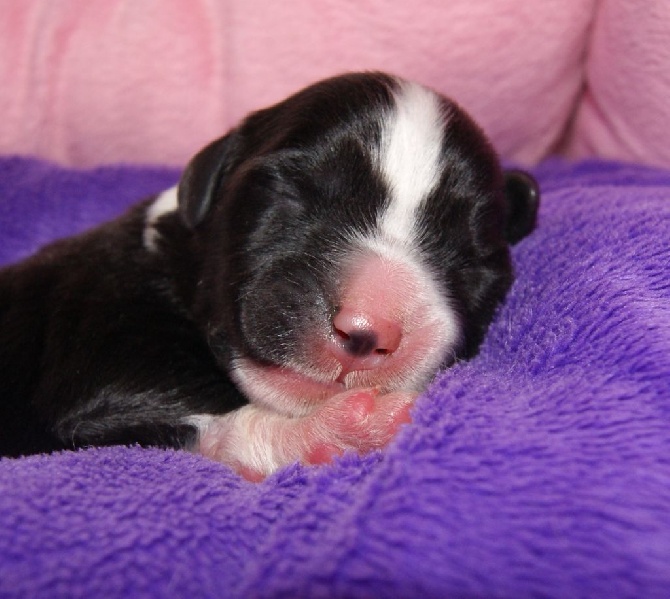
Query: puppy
{"points": [[287, 301]]}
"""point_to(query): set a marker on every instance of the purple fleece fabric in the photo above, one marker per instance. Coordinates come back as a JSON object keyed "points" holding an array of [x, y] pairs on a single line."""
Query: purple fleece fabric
{"points": [[540, 468]]}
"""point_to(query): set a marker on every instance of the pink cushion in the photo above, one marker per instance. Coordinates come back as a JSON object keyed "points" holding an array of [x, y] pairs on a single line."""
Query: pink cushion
{"points": [[625, 112], [149, 81]]}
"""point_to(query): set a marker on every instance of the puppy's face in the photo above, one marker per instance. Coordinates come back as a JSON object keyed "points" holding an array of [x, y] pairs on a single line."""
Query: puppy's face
{"points": [[355, 235]]}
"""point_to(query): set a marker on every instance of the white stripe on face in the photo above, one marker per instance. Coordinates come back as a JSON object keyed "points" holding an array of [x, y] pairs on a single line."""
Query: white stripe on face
{"points": [[410, 158]]}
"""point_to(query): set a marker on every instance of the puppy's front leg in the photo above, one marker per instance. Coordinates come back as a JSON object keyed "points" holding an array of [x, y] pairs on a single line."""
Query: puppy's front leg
{"points": [[256, 441]]}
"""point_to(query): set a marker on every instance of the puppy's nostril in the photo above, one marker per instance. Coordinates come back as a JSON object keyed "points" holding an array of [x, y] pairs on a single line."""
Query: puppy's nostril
{"points": [[359, 343], [362, 335]]}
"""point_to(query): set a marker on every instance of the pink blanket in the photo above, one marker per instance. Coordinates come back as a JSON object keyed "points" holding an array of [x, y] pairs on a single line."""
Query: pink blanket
{"points": [[147, 81], [97, 82]]}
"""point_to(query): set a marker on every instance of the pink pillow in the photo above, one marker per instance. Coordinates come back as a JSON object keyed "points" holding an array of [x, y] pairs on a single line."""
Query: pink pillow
{"points": [[625, 113], [148, 81]]}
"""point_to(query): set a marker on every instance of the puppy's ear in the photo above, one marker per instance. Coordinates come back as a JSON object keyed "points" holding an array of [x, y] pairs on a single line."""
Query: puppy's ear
{"points": [[523, 200], [202, 178]]}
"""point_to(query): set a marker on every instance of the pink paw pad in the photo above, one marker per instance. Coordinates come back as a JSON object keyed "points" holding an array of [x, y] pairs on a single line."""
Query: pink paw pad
{"points": [[358, 406], [323, 453], [253, 476]]}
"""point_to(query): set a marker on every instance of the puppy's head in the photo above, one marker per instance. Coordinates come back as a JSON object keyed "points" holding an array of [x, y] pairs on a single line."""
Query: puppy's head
{"points": [[355, 235]]}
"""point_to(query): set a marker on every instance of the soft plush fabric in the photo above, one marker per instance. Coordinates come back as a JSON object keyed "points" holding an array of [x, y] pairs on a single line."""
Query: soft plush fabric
{"points": [[541, 468], [152, 81], [97, 82], [625, 110]]}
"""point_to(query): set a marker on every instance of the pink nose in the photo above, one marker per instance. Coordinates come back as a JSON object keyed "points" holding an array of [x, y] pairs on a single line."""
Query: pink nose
{"points": [[363, 341]]}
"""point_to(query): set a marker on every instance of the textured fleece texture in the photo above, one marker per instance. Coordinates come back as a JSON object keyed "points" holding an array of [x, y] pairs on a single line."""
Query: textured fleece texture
{"points": [[540, 468], [153, 80]]}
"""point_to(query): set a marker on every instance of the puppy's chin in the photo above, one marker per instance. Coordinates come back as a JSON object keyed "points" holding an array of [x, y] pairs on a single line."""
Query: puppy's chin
{"points": [[297, 389], [283, 389]]}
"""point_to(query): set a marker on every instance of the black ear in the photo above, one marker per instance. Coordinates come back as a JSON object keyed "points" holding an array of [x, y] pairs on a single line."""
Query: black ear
{"points": [[523, 200], [202, 179]]}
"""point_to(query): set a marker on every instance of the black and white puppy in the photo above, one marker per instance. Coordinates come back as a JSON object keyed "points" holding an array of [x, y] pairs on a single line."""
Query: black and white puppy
{"points": [[309, 275]]}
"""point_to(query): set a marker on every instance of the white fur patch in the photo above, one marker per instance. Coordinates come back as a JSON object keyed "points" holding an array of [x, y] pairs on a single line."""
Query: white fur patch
{"points": [[200, 421], [410, 157], [250, 437], [164, 204]]}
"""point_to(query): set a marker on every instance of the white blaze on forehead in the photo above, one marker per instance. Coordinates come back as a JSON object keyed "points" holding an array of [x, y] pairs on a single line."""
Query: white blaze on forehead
{"points": [[165, 203], [410, 157]]}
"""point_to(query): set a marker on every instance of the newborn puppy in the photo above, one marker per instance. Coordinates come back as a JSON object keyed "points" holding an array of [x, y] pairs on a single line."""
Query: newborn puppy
{"points": [[309, 275]]}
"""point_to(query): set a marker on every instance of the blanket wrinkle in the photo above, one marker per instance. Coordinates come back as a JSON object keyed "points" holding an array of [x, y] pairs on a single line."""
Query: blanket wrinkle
{"points": [[539, 468]]}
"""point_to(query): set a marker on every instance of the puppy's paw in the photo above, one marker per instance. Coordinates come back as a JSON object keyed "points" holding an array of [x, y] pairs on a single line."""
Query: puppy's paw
{"points": [[255, 441], [360, 420]]}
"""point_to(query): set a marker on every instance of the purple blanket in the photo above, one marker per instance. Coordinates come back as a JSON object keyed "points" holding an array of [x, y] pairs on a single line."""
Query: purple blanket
{"points": [[540, 468]]}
